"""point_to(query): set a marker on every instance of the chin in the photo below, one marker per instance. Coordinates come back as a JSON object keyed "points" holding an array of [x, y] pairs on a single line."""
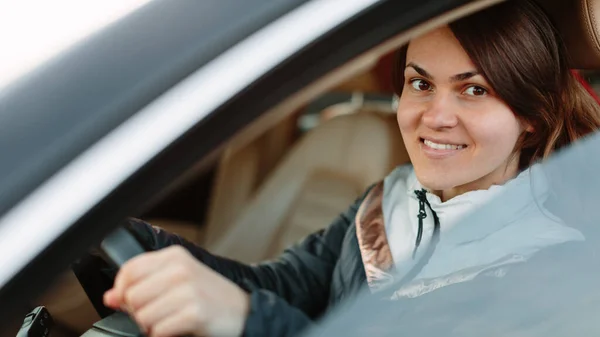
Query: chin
{"points": [[436, 184], [439, 181]]}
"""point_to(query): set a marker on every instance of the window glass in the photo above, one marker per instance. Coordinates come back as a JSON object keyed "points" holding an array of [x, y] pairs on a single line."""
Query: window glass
{"points": [[33, 31]]}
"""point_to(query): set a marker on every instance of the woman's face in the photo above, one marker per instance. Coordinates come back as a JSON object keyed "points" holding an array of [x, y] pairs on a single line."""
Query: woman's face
{"points": [[459, 135]]}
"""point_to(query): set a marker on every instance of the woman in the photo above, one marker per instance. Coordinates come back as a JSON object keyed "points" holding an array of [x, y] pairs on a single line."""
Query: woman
{"points": [[481, 101]]}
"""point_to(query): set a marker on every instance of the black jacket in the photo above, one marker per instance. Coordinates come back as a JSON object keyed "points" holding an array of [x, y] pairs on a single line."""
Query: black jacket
{"points": [[288, 293]]}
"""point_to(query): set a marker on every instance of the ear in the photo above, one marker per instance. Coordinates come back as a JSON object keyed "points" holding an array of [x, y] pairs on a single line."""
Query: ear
{"points": [[529, 128]]}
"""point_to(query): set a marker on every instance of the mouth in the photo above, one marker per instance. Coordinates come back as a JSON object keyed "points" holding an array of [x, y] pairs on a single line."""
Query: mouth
{"points": [[440, 148]]}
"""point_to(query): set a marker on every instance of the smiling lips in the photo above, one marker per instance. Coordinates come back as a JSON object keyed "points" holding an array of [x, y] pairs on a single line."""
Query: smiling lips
{"points": [[439, 146], [439, 150]]}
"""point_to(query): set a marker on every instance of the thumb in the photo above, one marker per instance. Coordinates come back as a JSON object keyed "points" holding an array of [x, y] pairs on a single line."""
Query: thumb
{"points": [[112, 299]]}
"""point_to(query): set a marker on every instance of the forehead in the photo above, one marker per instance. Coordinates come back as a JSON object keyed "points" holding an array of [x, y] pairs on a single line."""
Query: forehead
{"points": [[439, 51]]}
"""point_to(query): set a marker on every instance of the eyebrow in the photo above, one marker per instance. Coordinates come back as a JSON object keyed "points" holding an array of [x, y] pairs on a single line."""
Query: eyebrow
{"points": [[456, 78], [463, 76], [420, 70]]}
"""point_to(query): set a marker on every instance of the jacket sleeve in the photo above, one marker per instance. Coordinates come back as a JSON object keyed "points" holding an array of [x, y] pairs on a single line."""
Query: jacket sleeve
{"points": [[288, 292], [301, 275]]}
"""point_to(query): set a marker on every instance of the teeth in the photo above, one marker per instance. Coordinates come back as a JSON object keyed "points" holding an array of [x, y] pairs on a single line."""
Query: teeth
{"points": [[442, 146]]}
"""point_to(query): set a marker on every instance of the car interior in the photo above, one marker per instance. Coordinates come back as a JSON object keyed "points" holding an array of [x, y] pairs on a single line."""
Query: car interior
{"points": [[299, 165]]}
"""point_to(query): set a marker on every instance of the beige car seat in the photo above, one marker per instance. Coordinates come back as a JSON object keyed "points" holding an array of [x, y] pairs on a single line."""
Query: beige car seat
{"points": [[319, 178]]}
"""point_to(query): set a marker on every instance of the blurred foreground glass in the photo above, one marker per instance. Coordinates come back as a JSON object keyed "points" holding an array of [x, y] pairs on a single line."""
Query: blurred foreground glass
{"points": [[554, 293]]}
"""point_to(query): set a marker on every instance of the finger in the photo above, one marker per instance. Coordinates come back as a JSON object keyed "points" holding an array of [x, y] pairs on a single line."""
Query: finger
{"points": [[133, 271], [138, 268], [186, 321], [170, 303], [144, 266], [155, 285], [110, 300]]}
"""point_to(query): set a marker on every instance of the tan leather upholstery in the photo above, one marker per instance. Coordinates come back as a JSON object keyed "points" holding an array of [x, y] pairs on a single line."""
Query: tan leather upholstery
{"points": [[235, 182], [317, 180], [579, 24], [240, 171], [324, 195]]}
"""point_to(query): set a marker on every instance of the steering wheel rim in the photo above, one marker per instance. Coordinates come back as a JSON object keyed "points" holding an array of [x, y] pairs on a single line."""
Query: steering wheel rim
{"points": [[116, 249]]}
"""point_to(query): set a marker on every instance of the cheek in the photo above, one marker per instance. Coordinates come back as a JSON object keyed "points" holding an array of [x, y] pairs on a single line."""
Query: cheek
{"points": [[498, 134], [407, 116]]}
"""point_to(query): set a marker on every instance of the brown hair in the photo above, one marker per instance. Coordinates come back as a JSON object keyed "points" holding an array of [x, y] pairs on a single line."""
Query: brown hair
{"points": [[516, 48]]}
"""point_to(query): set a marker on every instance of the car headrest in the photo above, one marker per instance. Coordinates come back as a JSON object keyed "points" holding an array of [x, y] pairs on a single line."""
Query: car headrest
{"points": [[578, 22]]}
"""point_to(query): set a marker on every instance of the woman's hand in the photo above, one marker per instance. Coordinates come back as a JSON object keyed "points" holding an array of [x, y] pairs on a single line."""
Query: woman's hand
{"points": [[169, 293]]}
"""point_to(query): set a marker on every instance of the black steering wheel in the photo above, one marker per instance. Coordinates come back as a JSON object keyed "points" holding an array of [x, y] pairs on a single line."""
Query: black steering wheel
{"points": [[116, 249]]}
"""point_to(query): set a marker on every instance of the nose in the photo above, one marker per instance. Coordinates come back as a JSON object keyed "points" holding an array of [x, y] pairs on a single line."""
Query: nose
{"points": [[440, 112]]}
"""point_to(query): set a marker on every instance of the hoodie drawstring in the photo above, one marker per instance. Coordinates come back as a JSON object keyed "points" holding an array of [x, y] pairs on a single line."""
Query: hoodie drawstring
{"points": [[435, 239], [422, 196]]}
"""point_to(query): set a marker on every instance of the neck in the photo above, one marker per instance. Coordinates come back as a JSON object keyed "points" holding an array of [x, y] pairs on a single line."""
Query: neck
{"points": [[497, 177]]}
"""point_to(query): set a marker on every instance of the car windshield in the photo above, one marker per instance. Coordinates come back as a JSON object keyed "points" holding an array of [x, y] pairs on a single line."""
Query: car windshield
{"points": [[45, 28], [555, 293]]}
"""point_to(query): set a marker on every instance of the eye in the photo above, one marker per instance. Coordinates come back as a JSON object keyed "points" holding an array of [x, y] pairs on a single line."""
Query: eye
{"points": [[475, 90], [420, 85]]}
